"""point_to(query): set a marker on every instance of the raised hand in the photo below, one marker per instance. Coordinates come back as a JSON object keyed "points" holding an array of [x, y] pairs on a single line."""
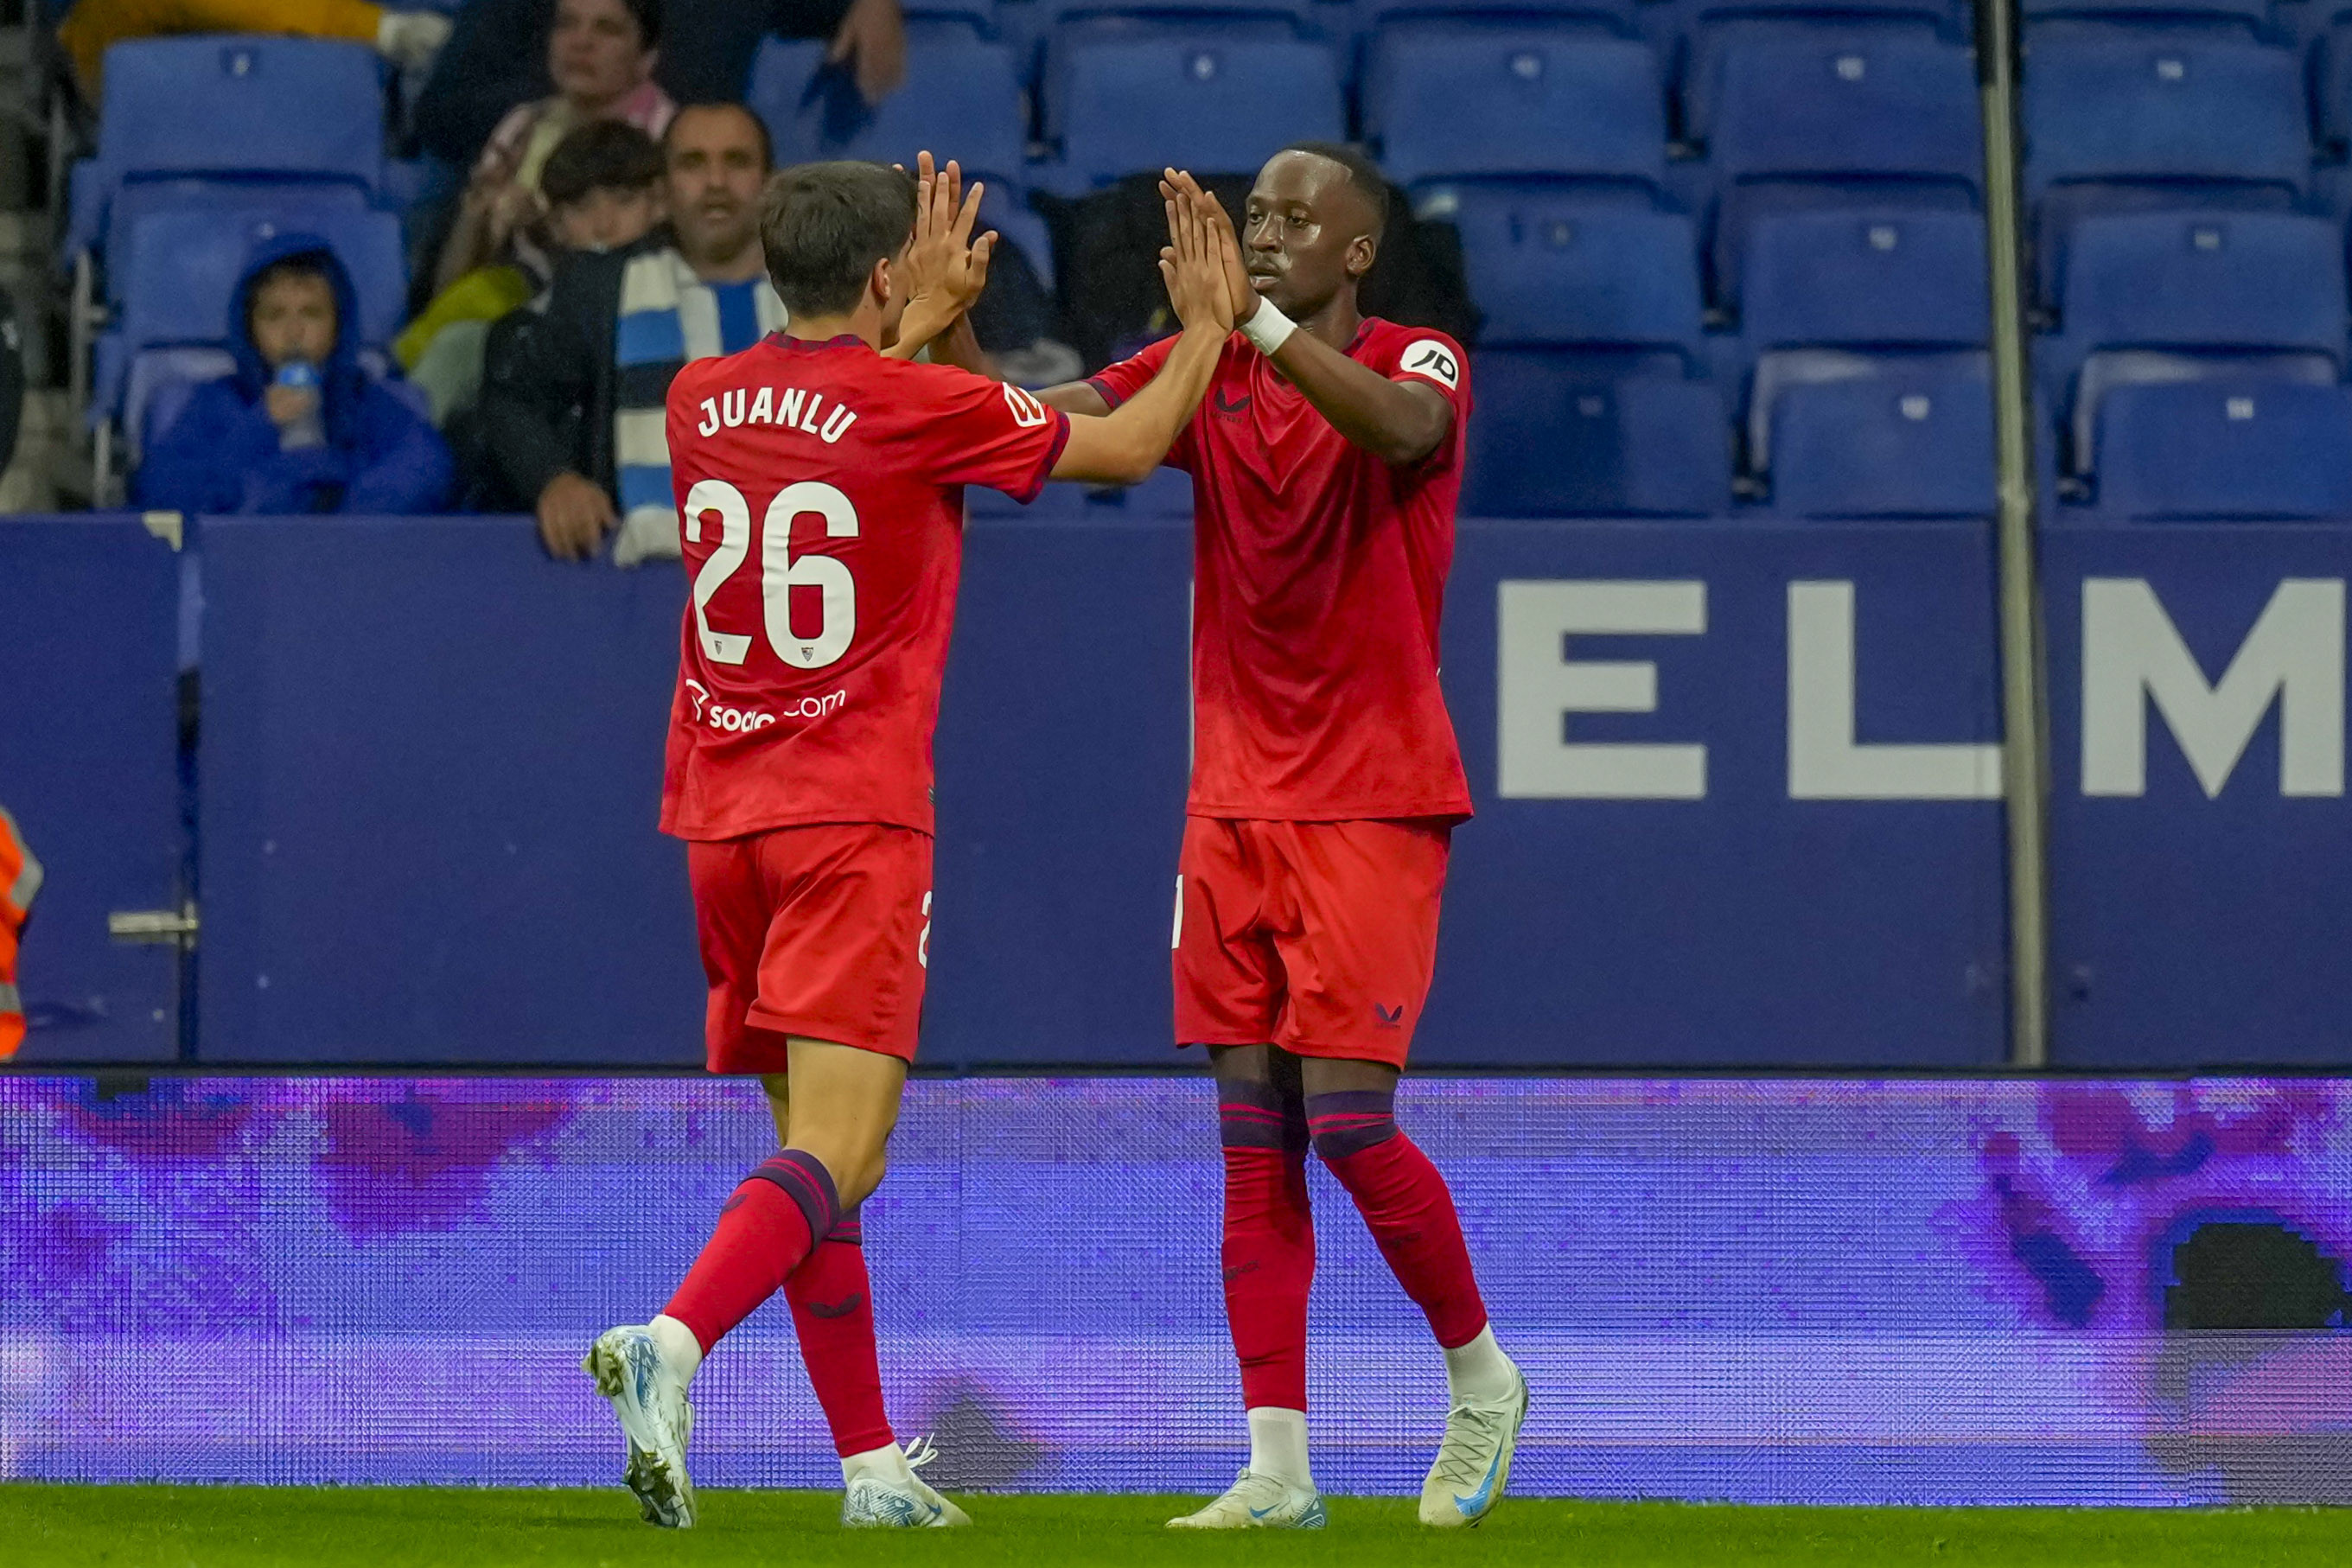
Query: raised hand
{"points": [[1178, 184], [946, 269], [1193, 264]]}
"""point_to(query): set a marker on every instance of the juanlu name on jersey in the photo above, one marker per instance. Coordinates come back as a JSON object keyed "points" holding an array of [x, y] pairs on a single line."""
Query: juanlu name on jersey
{"points": [[787, 407]]}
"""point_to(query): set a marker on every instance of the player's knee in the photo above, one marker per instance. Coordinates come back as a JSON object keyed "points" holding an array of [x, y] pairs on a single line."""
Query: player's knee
{"points": [[1252, 1114], [1350, 1121]]}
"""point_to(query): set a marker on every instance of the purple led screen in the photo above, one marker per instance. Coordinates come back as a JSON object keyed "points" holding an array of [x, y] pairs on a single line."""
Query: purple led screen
{"points": [[1829, 1291]]}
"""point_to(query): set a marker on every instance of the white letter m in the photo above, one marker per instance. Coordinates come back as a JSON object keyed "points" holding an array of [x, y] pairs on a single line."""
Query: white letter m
{"points": [[2294, 655]]}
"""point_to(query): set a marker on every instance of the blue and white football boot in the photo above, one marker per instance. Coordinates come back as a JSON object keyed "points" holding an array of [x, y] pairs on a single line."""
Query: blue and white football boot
{"points": [[1474, 1462], [649, 1396], [889, 1495], [1257, 1502]]}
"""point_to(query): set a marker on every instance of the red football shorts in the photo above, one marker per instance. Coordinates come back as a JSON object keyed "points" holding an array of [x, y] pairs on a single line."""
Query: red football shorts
{"points": [[1318, 937], [821, 932]]}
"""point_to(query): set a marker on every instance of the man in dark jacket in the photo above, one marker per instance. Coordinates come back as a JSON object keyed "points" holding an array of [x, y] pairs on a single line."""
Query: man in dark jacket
{"points": [[299, 426], [574, 384]]}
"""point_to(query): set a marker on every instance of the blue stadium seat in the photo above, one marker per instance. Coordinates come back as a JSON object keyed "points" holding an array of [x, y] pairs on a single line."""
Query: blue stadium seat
{"points": [[2183, 111], [1305, 16], [1847, 105], [1906, 442], [232, 107], [1549, 441], [2175, 296], [1706, 41], [178, 293], [1866, 277], [2244, 18], [1833, 294], [299, 205], [1549, 271], [2331, 83], [1616, 15], [962, 99], [1840, 118], [2225, 448], [1475, 101], [1138, 102]]}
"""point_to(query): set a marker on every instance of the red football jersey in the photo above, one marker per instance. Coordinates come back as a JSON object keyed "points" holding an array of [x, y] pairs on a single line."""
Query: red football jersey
{"points": [[1319, 577], [820, 498]]}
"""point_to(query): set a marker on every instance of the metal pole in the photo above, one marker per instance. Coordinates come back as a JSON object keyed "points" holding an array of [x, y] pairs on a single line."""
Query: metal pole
{"points": [[2025, 727]]}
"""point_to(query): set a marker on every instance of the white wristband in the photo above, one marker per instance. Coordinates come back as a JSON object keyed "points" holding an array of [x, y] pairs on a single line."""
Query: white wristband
{"points": [[1267, 327]]}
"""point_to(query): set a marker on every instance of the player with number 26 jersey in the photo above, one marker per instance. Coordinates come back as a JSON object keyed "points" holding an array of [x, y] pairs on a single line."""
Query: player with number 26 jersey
{"points": [[820, 488], [820, 480]]}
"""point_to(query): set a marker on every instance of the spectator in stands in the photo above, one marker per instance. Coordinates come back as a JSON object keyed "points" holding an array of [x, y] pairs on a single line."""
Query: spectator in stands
{"points": [[299, 426], [574, 387], [601, 188], [706, 58], [599, 55], [407, 38]]}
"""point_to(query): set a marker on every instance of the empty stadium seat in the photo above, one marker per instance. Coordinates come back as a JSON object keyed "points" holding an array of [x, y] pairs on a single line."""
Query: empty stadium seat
{"points": [[1847, 106], [961, 100], [2331, 83], [1138, 102], [1903, 443], [232, 107], [1839, 119], [1835, 294], [2203, 277], [1549, 441], [1546, 269], [1477, 101], [1886, 277], [2178, 111], [2245, 16], [1711, 38], [2171, 295], [2225, 448]]}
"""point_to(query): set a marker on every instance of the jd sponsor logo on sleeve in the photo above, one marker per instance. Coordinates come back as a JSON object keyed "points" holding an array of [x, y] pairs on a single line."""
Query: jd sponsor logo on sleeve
{"points": [[1428, 357]]}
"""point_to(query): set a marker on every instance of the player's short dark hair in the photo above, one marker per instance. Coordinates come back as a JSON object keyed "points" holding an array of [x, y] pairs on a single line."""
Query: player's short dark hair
{"points": [[1362, 173], [767, 142], [825, 225], [602, 155]]}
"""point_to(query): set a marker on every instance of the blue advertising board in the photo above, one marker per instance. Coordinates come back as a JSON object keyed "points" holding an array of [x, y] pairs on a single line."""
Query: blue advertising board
{"points": [[2201, 846], [89, 769]]}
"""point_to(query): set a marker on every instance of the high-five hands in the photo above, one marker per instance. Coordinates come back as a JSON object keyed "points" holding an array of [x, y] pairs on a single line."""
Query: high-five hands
{"points": [[1178, 185], [1196, 260], [945, 268]]}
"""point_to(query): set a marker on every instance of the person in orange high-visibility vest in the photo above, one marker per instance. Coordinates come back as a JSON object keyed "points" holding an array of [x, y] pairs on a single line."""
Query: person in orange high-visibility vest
{"points": [[20, 879]]}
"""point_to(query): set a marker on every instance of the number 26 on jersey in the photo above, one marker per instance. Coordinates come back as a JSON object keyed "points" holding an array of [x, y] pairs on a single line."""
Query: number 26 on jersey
{"points": [[780, 570]]}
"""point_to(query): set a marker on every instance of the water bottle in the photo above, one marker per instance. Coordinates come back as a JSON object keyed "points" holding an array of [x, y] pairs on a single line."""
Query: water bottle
{"points": [[309, 430]]}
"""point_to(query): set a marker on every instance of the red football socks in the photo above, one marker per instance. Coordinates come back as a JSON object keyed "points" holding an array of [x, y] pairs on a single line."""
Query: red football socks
{"points": [[766, 1230], [1405, 1203], [1269, 1247], [832, 1310]]}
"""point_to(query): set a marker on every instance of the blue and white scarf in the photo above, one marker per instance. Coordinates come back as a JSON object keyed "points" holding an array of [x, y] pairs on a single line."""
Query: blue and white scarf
{"points": [[667, 317]]}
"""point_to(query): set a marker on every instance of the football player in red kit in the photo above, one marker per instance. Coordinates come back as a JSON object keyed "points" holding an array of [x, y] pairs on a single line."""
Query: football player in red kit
{"points": [[820, 490], [1325, 464]]}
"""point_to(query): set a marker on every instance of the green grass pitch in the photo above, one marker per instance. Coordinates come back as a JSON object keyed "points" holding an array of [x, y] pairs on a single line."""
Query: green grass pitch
{"points": [[397, 1527]]}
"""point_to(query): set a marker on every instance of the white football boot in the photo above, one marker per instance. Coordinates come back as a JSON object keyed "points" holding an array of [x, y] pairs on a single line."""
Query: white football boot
{"points": [[1259, 1502], [649, 1396], [1474, 1462], [892, 1497]]}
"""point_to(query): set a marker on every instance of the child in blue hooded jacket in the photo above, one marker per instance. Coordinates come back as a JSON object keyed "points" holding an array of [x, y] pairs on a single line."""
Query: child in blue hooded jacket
{"points": [[300, 427]]}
